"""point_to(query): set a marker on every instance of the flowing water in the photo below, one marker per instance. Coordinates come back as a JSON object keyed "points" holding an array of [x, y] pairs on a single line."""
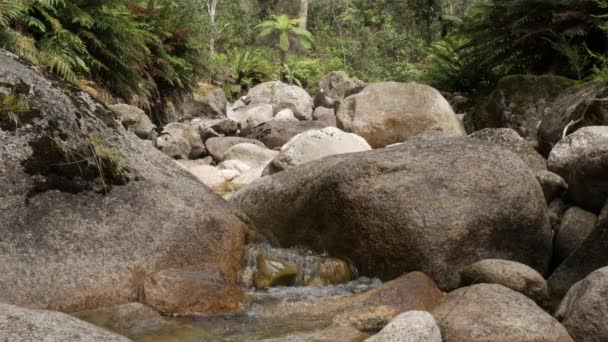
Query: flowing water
{"points": [[272, 312]]}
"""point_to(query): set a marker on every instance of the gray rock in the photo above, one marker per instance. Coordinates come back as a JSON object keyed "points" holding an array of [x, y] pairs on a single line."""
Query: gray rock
{"points": [[584, 310], [253, 155], [176, 132], [494, 313], [553, 185], [335, 87], [325, 116], [76, 237], [391, 112], [412, 326], [510, 140], [277, 133], [582, 160], [285, 115], [253, 115], [557, 207], [174, 146], [134, 119], [283, 96], [205, 101], [575, 226], [217, 147], [26, 325], [518, 277], [312, 145], [372, 207]]}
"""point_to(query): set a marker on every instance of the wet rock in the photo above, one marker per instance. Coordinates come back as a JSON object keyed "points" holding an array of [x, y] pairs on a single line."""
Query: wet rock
{"points": [[277, 133], [25, 325], [253, 155], [370, 207], [516, 276], [582, 160], [490, 312], [331, 334], [193, 290], [328, 271], [283, 96], [177, 131], [82, 249], [134, 119], [335, 87], [273, 272], [412, 326], [590, 256], [371, 318], [325, 116], [584, 310], [130, 320], [313, 145], [553, 185], [391, 112], [520, 102], [575, 227], [579, 106], [217, 147], [510, 140]]}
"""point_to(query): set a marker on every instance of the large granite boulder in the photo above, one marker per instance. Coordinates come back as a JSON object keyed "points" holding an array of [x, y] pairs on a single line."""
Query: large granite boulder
{"points": [[520, 102], [88, 211], [574, 228], [494, 313], [390, 112], [584, 310], [429, 205], [509, 139], [283, 96], [27, 325], [335, 87], [582, 160]]}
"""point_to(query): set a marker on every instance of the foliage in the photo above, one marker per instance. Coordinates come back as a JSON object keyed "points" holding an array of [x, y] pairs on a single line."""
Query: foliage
{"points": [[11, 106], [242, 69]]}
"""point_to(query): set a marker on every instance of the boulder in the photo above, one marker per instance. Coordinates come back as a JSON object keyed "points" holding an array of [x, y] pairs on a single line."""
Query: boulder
{"points": [[205, 101], [325, 116], [578, 106], [335, 87], [510, 140], [131, 320], [177, 131], [372, 318], [253, 115], [272, 272], [313, 145], [26, 325], [582, 160], [252, 155], [415, 206], [516, 276], [391, 112], [217, 147], [283, 96], [520, 102], [590, 256], [193, 290], [411, 326], [553, 185], [88, 210], [134, 119], [275, 134], [174, 146], [575, 227], [491, 312], [215, 128], [285, 115], [584, 310]]}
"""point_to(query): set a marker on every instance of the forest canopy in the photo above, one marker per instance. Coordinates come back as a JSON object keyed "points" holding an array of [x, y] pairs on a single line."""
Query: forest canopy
{"points": [[154, 50]]}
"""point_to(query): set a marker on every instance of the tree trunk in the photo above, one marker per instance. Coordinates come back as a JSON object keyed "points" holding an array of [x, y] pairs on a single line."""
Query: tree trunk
{"points": [[212, 8], [283, 63], [303, 14]]}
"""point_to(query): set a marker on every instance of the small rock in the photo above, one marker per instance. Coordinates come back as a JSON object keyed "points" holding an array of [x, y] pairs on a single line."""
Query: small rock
{"points": [[193, 290], [217, 147], [285, 115], [275, 134], [251, 154], [190, 134], [253, 115], [584, 310], [575, 227], [518, 277], [412, 326], [273, 272], [134, 119], [371, 318], [552, 184], [176, 147], [328, 271]]}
